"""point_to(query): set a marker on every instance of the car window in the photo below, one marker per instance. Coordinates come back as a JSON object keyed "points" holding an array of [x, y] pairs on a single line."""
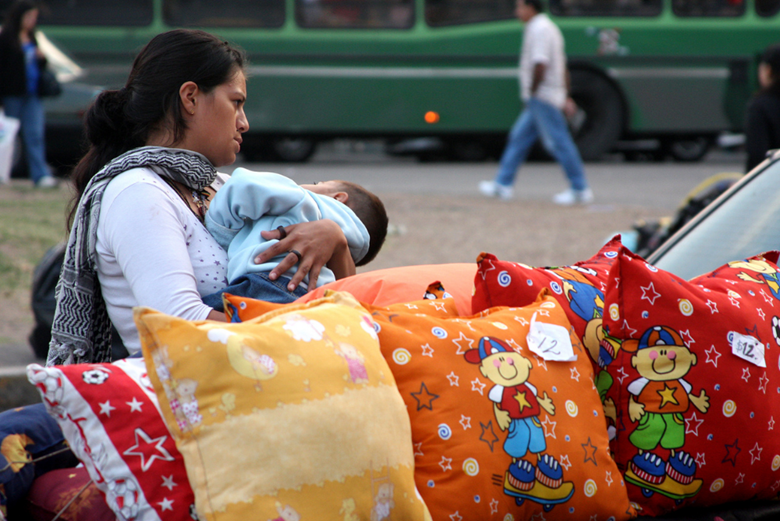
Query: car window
{"points": [[743, 225]]}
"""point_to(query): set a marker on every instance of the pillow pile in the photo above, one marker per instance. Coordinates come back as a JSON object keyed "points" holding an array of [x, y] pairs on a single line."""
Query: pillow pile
{"points": [[499, 431], [697, 382], [110, 416], [293, 415]]}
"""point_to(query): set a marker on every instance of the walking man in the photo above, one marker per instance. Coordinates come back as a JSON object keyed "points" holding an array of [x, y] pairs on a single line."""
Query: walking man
{"points": [[544, 89]]}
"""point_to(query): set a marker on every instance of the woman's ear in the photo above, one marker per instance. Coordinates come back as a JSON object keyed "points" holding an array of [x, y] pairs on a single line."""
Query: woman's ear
{"points": [[188, 94], [341, 197]]}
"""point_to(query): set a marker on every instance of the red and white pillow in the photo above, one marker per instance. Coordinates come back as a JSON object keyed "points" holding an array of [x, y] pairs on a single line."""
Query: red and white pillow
{"points": [[695, 382], [110, 416]]}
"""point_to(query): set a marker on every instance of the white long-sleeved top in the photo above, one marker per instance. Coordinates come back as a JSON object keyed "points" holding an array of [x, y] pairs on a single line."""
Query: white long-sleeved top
{"points": [[152, 251]]}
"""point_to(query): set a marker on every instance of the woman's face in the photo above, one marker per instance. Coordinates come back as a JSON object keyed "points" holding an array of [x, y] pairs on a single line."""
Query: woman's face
{"points": [[218, 121], [765, 76], [29, 19]]}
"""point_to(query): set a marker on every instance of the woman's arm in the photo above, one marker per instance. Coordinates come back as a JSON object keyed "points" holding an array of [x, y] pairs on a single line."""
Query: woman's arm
{"points": [[144, 230], [320, 243]]}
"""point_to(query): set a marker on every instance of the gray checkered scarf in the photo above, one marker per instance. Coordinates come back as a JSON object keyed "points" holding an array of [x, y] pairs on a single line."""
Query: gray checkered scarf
{"points": [[81, 332]]}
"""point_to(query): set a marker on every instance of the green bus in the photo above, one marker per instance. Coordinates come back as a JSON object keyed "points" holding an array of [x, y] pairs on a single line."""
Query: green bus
{"points": [[676, 73]]}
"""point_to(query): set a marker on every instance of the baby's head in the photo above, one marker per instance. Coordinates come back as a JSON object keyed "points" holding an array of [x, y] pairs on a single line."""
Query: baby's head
{"points": [[367, 206]]}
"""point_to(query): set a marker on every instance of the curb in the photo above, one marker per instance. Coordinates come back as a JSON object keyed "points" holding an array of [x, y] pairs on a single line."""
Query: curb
{"points": [[15, 389]]}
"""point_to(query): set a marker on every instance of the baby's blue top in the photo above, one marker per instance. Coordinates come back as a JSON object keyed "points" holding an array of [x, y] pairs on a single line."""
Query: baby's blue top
{"points": [[251, 202]]}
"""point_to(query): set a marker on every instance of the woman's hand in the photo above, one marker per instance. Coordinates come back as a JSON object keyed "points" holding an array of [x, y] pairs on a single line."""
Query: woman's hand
{"points": [[319, 243]]}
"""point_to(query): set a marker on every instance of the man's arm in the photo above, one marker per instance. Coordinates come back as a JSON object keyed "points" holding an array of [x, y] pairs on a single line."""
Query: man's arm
{"points": [[539, 71]]}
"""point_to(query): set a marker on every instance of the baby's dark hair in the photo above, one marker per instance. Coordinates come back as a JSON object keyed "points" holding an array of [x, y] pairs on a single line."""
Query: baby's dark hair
{"points": [[370, 210]]}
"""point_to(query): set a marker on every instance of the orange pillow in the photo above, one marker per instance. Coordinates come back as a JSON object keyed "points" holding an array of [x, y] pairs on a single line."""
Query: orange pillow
{"points": [[449, 371], [404, 284]]}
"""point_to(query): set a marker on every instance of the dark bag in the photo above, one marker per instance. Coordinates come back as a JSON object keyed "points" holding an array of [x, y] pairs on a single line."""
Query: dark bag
{"points": [[44, 282], [48, 86]]}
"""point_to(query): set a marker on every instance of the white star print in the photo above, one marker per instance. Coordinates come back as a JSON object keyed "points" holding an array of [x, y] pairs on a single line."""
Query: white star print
{"points": [[166, 504], [649, 293], [137, 450], [483, 271], [168, 482], [478, 386], [712, 356], [135, 405], [106, 408], [453, 378], [459, 340]]}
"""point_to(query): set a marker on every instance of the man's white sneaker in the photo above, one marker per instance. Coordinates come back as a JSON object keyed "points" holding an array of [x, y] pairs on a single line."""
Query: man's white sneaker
{"points": [[571, 196], [493, 189]]}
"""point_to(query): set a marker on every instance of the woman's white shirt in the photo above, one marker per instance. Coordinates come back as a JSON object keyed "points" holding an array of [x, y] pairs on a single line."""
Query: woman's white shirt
{"points": [[152, 251]]}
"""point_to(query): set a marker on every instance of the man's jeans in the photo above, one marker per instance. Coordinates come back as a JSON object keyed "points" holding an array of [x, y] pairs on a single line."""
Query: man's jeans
{"points": [[541, 120], [29, 111]]}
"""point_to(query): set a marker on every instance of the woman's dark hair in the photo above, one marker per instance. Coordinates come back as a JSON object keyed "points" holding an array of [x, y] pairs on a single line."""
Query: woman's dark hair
{"points": [[771, 56], [120, 120], [12, 22]]}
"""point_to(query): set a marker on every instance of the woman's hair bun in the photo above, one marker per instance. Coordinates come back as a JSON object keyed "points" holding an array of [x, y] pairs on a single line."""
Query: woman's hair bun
{"points": [[106, 119]]}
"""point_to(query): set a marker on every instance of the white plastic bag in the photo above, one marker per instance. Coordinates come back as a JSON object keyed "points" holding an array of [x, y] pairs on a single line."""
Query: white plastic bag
{"points": [[9, 127]]}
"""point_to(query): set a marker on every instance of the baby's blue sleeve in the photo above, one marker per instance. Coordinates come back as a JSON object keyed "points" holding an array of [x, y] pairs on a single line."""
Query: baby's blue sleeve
{"points": [[248, 196]]}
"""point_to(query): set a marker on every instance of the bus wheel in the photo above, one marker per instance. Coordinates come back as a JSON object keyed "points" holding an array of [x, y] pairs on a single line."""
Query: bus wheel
{"points": [[469, 151], [600, 121], [689, 149], [293, 150]]}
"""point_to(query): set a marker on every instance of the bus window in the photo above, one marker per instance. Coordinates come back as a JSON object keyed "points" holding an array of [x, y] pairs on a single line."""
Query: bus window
{"points": [[456, 12], [708, 8], [236, 13], [767, 7], [605, 7], [97, 12], [354, 14]]}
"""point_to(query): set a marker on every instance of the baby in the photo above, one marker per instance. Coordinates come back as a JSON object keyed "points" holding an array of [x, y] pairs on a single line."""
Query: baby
{"points": [[252, 202]]}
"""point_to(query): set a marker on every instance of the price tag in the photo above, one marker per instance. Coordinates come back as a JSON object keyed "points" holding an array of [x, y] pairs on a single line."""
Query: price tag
{"points": [[748, 348], [550, 341]]}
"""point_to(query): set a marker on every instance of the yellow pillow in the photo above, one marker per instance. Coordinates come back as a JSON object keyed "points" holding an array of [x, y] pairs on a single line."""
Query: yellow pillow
{"points": [[294, 414]]}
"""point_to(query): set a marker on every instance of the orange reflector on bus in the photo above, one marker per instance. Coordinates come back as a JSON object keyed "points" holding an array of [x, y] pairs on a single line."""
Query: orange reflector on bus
{"points": [[431, 117]]}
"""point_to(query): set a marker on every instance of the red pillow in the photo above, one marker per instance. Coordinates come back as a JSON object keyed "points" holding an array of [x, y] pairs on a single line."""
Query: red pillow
{"points": [[110, 417], [696, 382], [405, 284], [68, 489], [579, 289]]}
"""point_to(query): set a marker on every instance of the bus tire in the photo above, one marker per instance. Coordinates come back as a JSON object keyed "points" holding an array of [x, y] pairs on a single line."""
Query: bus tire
{"points": [[604, 114], [689, 150], [293, 149]]}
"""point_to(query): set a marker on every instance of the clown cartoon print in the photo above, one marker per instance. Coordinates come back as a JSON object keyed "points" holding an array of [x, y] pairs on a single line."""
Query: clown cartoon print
{"points": [[587, 302], [659, 398], [516, 407], [764, 274]]}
